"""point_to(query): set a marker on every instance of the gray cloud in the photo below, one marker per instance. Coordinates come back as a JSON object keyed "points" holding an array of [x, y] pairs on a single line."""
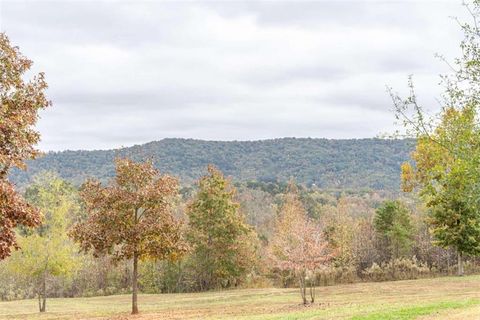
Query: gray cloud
{"points": [[128, 72]]}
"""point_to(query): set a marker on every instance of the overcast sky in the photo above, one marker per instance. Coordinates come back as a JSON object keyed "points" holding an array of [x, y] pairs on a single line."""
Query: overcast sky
{"points": [[124, 73]]}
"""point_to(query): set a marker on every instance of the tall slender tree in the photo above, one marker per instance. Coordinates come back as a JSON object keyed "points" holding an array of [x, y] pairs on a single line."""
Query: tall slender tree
{"points": [[223, 250], [131, 218], [20, 102]]}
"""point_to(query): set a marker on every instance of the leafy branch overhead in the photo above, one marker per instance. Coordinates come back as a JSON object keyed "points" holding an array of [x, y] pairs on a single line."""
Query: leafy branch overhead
{"points": [[20, 103]]}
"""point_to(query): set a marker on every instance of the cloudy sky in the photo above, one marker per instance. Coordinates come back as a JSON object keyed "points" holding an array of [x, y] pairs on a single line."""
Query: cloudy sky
{"points": [[124, 73]]}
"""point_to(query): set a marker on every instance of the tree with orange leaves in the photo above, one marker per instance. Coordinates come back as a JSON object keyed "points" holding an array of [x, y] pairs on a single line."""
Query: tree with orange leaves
{"points": [[131, 218], [299, 244], [20, 102]]}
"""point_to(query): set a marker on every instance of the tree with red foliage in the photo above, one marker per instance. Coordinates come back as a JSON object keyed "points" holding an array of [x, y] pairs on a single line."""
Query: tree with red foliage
{"points": [[20, 102]]}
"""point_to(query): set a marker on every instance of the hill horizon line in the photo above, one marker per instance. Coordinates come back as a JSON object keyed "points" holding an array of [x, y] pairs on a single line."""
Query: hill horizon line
{"points": [[221, 141], [366, 163]]}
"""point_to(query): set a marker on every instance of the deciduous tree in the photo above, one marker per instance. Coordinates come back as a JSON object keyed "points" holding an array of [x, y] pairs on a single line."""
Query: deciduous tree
{"points": [[47, 251], [447, 155], [20, 102], [298, 244], [448, 180], [131, 218], [223, 244]]}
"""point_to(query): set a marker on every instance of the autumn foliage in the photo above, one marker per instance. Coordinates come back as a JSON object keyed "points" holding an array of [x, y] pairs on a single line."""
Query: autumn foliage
{"points": [[299, 244], [14, 211], [131, 218], [445, 174], [20, 102]]}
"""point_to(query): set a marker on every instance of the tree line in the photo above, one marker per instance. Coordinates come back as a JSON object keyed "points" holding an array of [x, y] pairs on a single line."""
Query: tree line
{"points": [[355, 164]]}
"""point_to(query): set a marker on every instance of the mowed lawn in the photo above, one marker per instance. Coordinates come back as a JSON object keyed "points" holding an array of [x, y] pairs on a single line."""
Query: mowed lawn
{"points": [[440, 298]]}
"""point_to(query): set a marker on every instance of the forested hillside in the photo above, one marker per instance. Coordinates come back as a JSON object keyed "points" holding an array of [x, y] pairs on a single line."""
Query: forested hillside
{"points": [[338, 164]]}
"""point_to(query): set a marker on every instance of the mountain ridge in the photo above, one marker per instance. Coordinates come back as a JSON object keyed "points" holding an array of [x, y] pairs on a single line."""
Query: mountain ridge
{"points": [[367, 163]]}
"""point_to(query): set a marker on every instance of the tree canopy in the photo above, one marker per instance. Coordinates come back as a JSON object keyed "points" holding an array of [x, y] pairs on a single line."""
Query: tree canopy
{"points": [[354, 164], [20, 102], [221, 239]]}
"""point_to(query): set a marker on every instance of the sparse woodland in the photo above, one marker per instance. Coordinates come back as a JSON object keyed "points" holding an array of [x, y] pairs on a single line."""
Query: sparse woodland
{"points": [[147, 231]]}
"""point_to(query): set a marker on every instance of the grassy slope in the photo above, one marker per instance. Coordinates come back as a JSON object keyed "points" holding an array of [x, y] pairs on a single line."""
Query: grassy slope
{"points": [[441, 298]]}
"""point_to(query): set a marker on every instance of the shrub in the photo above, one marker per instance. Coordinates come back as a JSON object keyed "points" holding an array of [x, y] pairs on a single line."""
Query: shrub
{"points": [[396, 269]]}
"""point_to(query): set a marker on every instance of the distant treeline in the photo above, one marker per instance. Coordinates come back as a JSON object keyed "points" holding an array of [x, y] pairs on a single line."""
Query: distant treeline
{"points": [[353, 164]]}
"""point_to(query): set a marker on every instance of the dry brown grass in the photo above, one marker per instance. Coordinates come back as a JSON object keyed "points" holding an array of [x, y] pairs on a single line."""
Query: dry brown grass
{"points": [[456, 298]]}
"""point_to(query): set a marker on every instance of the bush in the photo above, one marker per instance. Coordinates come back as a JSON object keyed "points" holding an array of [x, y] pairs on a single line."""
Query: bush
{"points": [[397, 269], [337, 275]]}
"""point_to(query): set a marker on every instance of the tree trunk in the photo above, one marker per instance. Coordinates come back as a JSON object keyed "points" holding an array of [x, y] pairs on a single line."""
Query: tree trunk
{"points": [[135, 284], [448, 263], [312, 289], [44, 305], [303, 289], [39, 301], [460, 271], [42, 295], [312, 292]]}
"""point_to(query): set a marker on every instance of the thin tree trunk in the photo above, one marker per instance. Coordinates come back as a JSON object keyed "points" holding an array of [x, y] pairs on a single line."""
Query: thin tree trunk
{"points": [[439, 260], [312, 293], [135, 284], [312, 290], [303, 290], [135, 273], [42, 296], [179, 278], [460, 271], [448, 263], [39, 301]]}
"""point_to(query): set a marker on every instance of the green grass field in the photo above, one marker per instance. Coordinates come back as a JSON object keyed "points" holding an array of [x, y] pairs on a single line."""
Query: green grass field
{"points": [[440, 298]]}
